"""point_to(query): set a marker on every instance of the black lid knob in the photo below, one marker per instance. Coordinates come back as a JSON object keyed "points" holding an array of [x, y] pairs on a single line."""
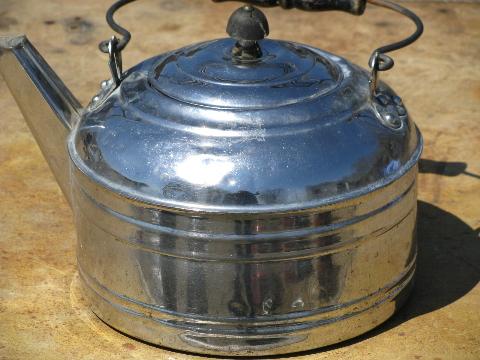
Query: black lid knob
{"points": [[248, 23]]}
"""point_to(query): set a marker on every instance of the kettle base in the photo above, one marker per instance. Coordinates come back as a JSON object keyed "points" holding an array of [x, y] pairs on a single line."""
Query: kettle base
{"points": [[325, 327]]}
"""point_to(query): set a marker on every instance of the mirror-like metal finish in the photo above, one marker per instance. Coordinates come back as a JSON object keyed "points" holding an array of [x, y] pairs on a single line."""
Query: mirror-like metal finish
{"points": [[235, 208], [49, 108], [247, 284]]}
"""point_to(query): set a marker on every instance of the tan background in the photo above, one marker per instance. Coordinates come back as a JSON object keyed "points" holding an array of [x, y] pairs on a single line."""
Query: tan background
{"points": [[42, 312]]}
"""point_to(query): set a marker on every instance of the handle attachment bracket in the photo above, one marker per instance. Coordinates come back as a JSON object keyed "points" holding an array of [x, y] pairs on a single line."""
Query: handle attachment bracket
{"points": [[114, 46], [379, 61]]}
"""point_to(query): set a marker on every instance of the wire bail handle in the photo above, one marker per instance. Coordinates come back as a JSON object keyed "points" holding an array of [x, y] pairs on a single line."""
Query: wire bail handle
{"points": [[115, 60], [114, 46], [378, 61]]}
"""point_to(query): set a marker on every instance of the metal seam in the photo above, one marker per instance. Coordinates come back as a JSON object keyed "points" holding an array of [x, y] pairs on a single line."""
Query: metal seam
{"points": [[160, 229], [293, 321], [312, 252]]}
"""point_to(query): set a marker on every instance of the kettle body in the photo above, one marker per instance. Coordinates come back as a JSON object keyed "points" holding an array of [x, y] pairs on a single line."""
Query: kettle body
{"points": [[240, 196], [260, 242]]}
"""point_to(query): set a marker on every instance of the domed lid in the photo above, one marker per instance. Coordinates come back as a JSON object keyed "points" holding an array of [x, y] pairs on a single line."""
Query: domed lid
{"points": [[209, 75], [244, 125]]}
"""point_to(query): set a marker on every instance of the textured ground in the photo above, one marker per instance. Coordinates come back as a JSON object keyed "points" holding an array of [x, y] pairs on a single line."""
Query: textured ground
{"points": [[42, 312]]}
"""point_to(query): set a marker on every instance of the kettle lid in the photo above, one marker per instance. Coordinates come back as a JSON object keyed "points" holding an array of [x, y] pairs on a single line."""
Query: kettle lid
{"points": [[245, 71], [209, 75]]}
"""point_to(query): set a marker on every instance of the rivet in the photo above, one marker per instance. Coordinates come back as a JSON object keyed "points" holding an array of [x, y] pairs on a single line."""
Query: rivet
{"points": [[397, 100]]}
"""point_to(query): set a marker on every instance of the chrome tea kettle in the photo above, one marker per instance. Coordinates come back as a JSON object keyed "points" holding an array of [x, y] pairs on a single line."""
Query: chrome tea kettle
{"points": [[240, 196]]}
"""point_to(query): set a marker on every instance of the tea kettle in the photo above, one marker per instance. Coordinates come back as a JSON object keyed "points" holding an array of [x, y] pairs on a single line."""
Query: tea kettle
{"points": [[240, 196]]}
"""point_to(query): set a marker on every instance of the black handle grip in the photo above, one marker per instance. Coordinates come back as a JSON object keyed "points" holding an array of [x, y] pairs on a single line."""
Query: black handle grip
{"points": [[355, 7]]}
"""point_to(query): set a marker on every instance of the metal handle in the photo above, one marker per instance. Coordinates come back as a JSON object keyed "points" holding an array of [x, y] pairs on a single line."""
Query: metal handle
{"points": [[114, 46], [378, 61], [355, 7]]}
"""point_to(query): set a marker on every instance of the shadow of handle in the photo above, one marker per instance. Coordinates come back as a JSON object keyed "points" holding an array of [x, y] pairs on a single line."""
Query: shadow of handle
{"points": [[445, 168]]}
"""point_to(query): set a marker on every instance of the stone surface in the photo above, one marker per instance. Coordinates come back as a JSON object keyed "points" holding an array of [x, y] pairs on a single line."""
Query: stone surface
{"points": [[42, 312]]}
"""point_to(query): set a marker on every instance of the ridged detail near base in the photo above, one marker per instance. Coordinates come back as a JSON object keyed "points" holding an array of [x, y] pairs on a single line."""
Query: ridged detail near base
{"points": [[264, 335]]}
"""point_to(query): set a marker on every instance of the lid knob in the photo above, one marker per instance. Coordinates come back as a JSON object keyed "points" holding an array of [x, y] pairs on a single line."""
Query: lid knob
{"points": [[247, 25]]}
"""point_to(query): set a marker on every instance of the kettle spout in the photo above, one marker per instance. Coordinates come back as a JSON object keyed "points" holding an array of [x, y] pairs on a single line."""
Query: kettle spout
{"points": [[48, 107]]}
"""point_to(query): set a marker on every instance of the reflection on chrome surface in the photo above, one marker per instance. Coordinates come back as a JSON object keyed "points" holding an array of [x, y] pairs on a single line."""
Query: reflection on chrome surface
{"points": [[205, 170], [222, 215]]}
